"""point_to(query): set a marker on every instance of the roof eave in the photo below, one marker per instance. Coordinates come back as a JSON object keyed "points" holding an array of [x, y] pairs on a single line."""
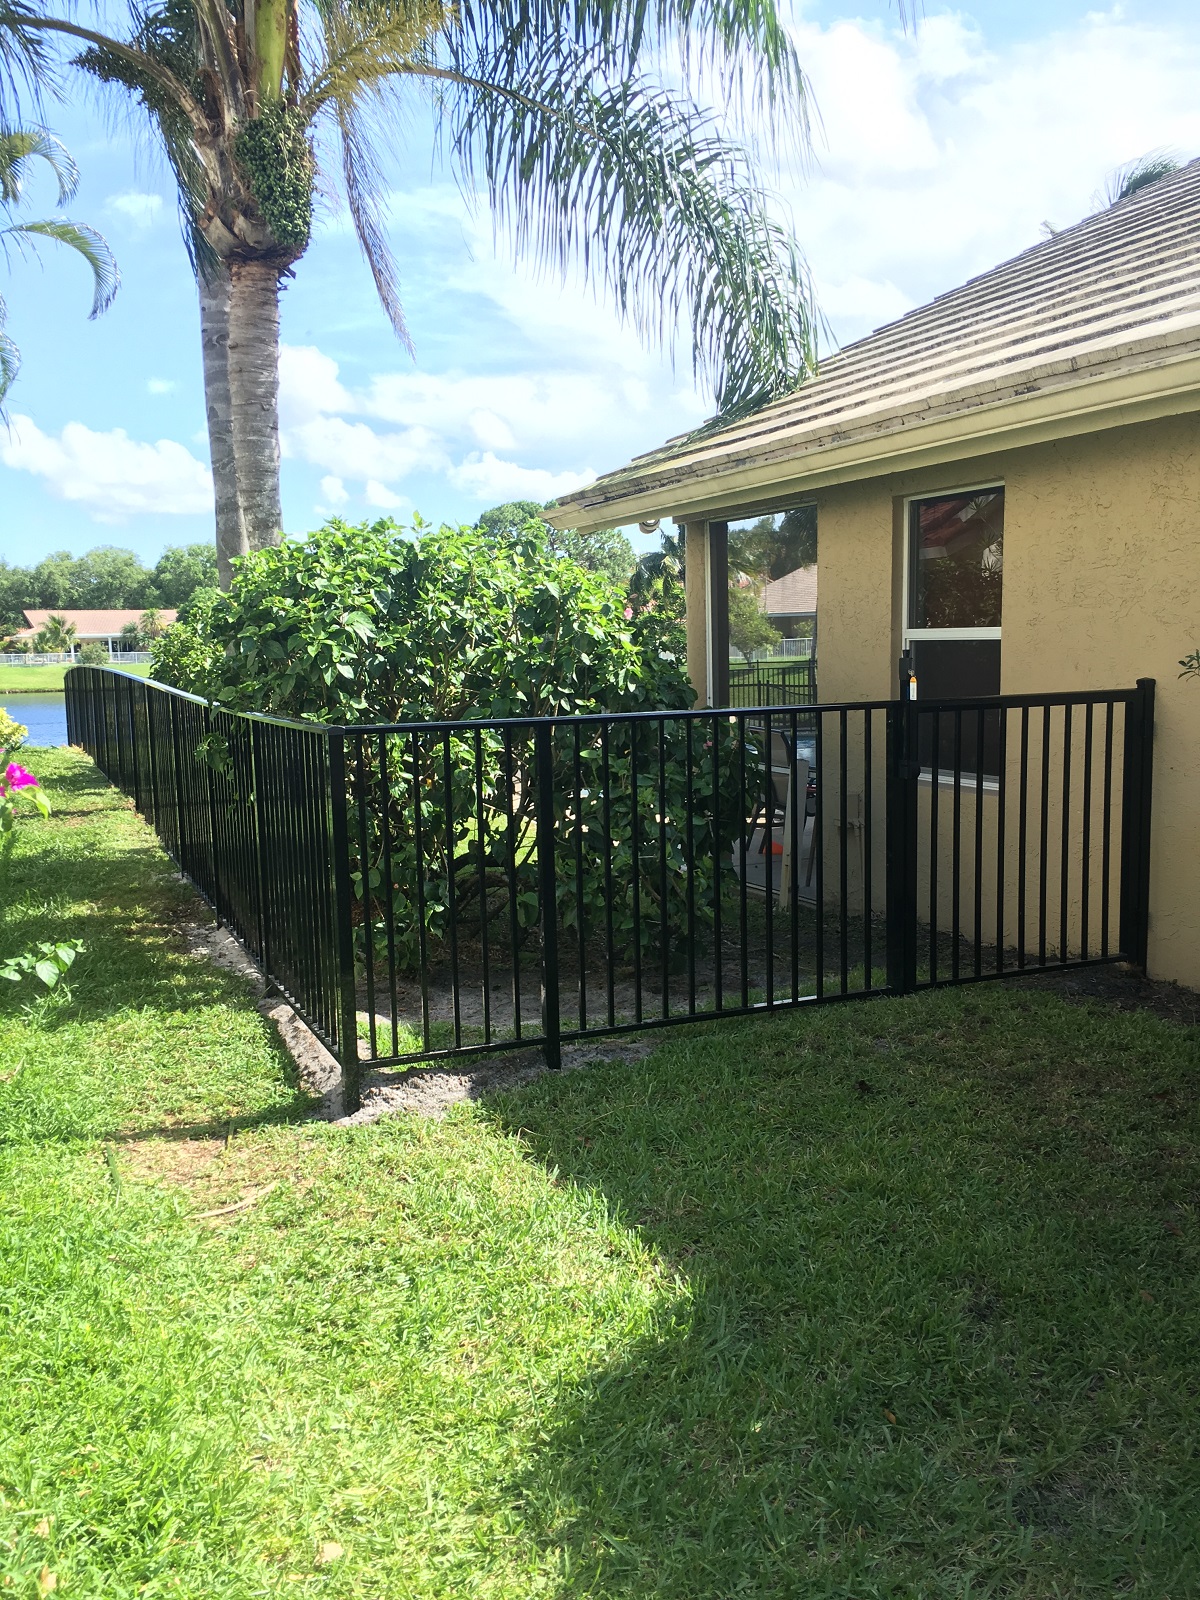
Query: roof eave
{"points": [[1088, 404]]}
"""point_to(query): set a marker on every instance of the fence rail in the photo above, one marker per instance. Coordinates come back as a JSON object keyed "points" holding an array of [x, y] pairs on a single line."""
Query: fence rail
{"points": [[440, 889]]}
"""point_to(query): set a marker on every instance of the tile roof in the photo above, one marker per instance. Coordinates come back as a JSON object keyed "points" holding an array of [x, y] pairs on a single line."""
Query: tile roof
{"points": [[90, 624], [1118, 293], [795, 594]]}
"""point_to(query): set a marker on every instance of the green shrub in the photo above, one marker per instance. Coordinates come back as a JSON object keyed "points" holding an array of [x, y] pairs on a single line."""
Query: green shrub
{"points": [[184, 655], [13, 734], [368, 624], [93, 655]]}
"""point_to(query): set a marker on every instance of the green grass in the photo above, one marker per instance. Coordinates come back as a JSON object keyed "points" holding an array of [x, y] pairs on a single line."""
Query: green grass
{"points": [[45, 680], [897, 1299]]}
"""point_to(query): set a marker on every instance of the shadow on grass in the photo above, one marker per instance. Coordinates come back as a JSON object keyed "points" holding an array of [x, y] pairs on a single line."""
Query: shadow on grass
{"points": [[929, 1334]]}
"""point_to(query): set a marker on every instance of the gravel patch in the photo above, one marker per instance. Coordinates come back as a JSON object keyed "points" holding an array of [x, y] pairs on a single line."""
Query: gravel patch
{"points": [[427, 1091], [431, 1091]]}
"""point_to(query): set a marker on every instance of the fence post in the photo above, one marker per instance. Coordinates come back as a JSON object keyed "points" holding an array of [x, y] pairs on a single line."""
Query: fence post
{"points": [[343, 931], [902, 772], [543, 746], [215, 887], [135, 765], [257, 813], [1136, 797], [152, 754], [181, 819]]}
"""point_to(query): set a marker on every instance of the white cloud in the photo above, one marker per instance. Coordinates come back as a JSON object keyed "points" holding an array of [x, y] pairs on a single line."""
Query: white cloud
{"points": [[160, 385], [942, 154], [140, 209], [466, 429], [110, 473], [382, 498], [354, 450], [533, 413], [491, 481], [308, 386]]}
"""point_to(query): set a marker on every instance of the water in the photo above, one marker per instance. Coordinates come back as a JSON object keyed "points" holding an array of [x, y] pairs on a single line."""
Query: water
{"points": [[45, 715]]}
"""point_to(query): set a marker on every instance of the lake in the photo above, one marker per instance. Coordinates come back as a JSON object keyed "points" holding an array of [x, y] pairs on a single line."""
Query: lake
{"points": [[45, 715]]}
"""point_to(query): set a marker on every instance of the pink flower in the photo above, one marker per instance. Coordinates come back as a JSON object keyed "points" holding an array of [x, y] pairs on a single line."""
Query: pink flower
{"points": [[19, 777], [628, 613]]}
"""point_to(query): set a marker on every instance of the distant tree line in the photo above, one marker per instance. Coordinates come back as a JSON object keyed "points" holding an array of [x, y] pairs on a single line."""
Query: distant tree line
{"points": [[106, 578]]}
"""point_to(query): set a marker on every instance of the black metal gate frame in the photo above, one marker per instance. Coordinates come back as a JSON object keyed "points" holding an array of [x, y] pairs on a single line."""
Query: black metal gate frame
{"points": [[277, 871]]}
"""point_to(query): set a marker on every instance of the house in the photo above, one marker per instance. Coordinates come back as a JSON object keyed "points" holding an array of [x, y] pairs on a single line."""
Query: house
{"points": [[790, 604], [1007, 485], [91, 627]]}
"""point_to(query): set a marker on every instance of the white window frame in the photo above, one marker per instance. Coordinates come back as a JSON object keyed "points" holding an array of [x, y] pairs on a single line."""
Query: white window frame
{"points": [[910, 634]]}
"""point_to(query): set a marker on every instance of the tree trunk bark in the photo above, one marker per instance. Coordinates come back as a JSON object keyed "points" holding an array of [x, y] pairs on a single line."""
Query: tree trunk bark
{"points": [[214, 345], [254, 397]]}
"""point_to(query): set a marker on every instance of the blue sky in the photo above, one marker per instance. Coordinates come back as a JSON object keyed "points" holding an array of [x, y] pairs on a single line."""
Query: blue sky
{"points": [[941, 151]]}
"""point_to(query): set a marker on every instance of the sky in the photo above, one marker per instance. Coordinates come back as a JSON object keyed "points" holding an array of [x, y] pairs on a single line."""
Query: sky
{"points": [[938, 152]]}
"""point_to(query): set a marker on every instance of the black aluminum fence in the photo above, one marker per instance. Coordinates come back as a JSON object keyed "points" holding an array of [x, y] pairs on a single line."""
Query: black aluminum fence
{"points": [[792, 683], [442, 889]]}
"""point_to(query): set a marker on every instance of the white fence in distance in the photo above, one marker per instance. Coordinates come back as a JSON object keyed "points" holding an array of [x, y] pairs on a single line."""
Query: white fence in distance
{"points": [[61, 658]]}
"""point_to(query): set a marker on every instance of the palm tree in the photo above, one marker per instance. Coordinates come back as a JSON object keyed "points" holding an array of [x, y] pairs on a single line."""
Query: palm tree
{"points": [[19, 148], [556, 108], [56, 636]]}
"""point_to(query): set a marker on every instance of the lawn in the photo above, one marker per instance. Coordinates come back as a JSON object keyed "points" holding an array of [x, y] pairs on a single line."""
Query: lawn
{"points": [[45, 680], [896, 1299]]}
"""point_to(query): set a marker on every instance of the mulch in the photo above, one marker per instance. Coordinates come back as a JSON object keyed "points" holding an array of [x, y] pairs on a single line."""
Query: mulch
{"points": [[1121, 987]]}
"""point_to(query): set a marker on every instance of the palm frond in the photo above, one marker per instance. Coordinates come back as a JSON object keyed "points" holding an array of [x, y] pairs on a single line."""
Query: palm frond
{"points": [[364, 184], [215, 28], [18, 146], [136, 62], [84, 241], [26, 65], [742, 44], [168, 35], [639, 187], [10, 360], [1139, 174], [365, 45]]}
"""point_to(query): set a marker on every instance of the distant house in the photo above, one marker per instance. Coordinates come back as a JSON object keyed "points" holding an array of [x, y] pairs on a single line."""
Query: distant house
{"points": [[1007, 484], [91, 627], [790, 603]]}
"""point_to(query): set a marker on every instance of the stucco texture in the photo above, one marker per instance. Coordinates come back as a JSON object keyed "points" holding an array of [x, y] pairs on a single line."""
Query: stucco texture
{"points": [[1101, 587]]}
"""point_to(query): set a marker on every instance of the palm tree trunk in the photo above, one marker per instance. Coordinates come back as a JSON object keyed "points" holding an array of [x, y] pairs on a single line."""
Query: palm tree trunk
{"points": [[214, 345], [254, 397]]}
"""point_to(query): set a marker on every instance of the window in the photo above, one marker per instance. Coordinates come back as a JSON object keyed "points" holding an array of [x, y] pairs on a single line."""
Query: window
{"points": [[956, 562], [955, 578]]}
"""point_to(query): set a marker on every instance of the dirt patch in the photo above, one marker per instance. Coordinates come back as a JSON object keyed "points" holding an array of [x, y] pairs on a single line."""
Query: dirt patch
{"points": [[175, 1161], [222, 1178], [1122, 988], [431, 1091]]}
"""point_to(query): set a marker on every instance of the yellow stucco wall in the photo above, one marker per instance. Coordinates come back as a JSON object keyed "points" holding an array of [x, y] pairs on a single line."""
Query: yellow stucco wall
{"points": [[1101, 587]]}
